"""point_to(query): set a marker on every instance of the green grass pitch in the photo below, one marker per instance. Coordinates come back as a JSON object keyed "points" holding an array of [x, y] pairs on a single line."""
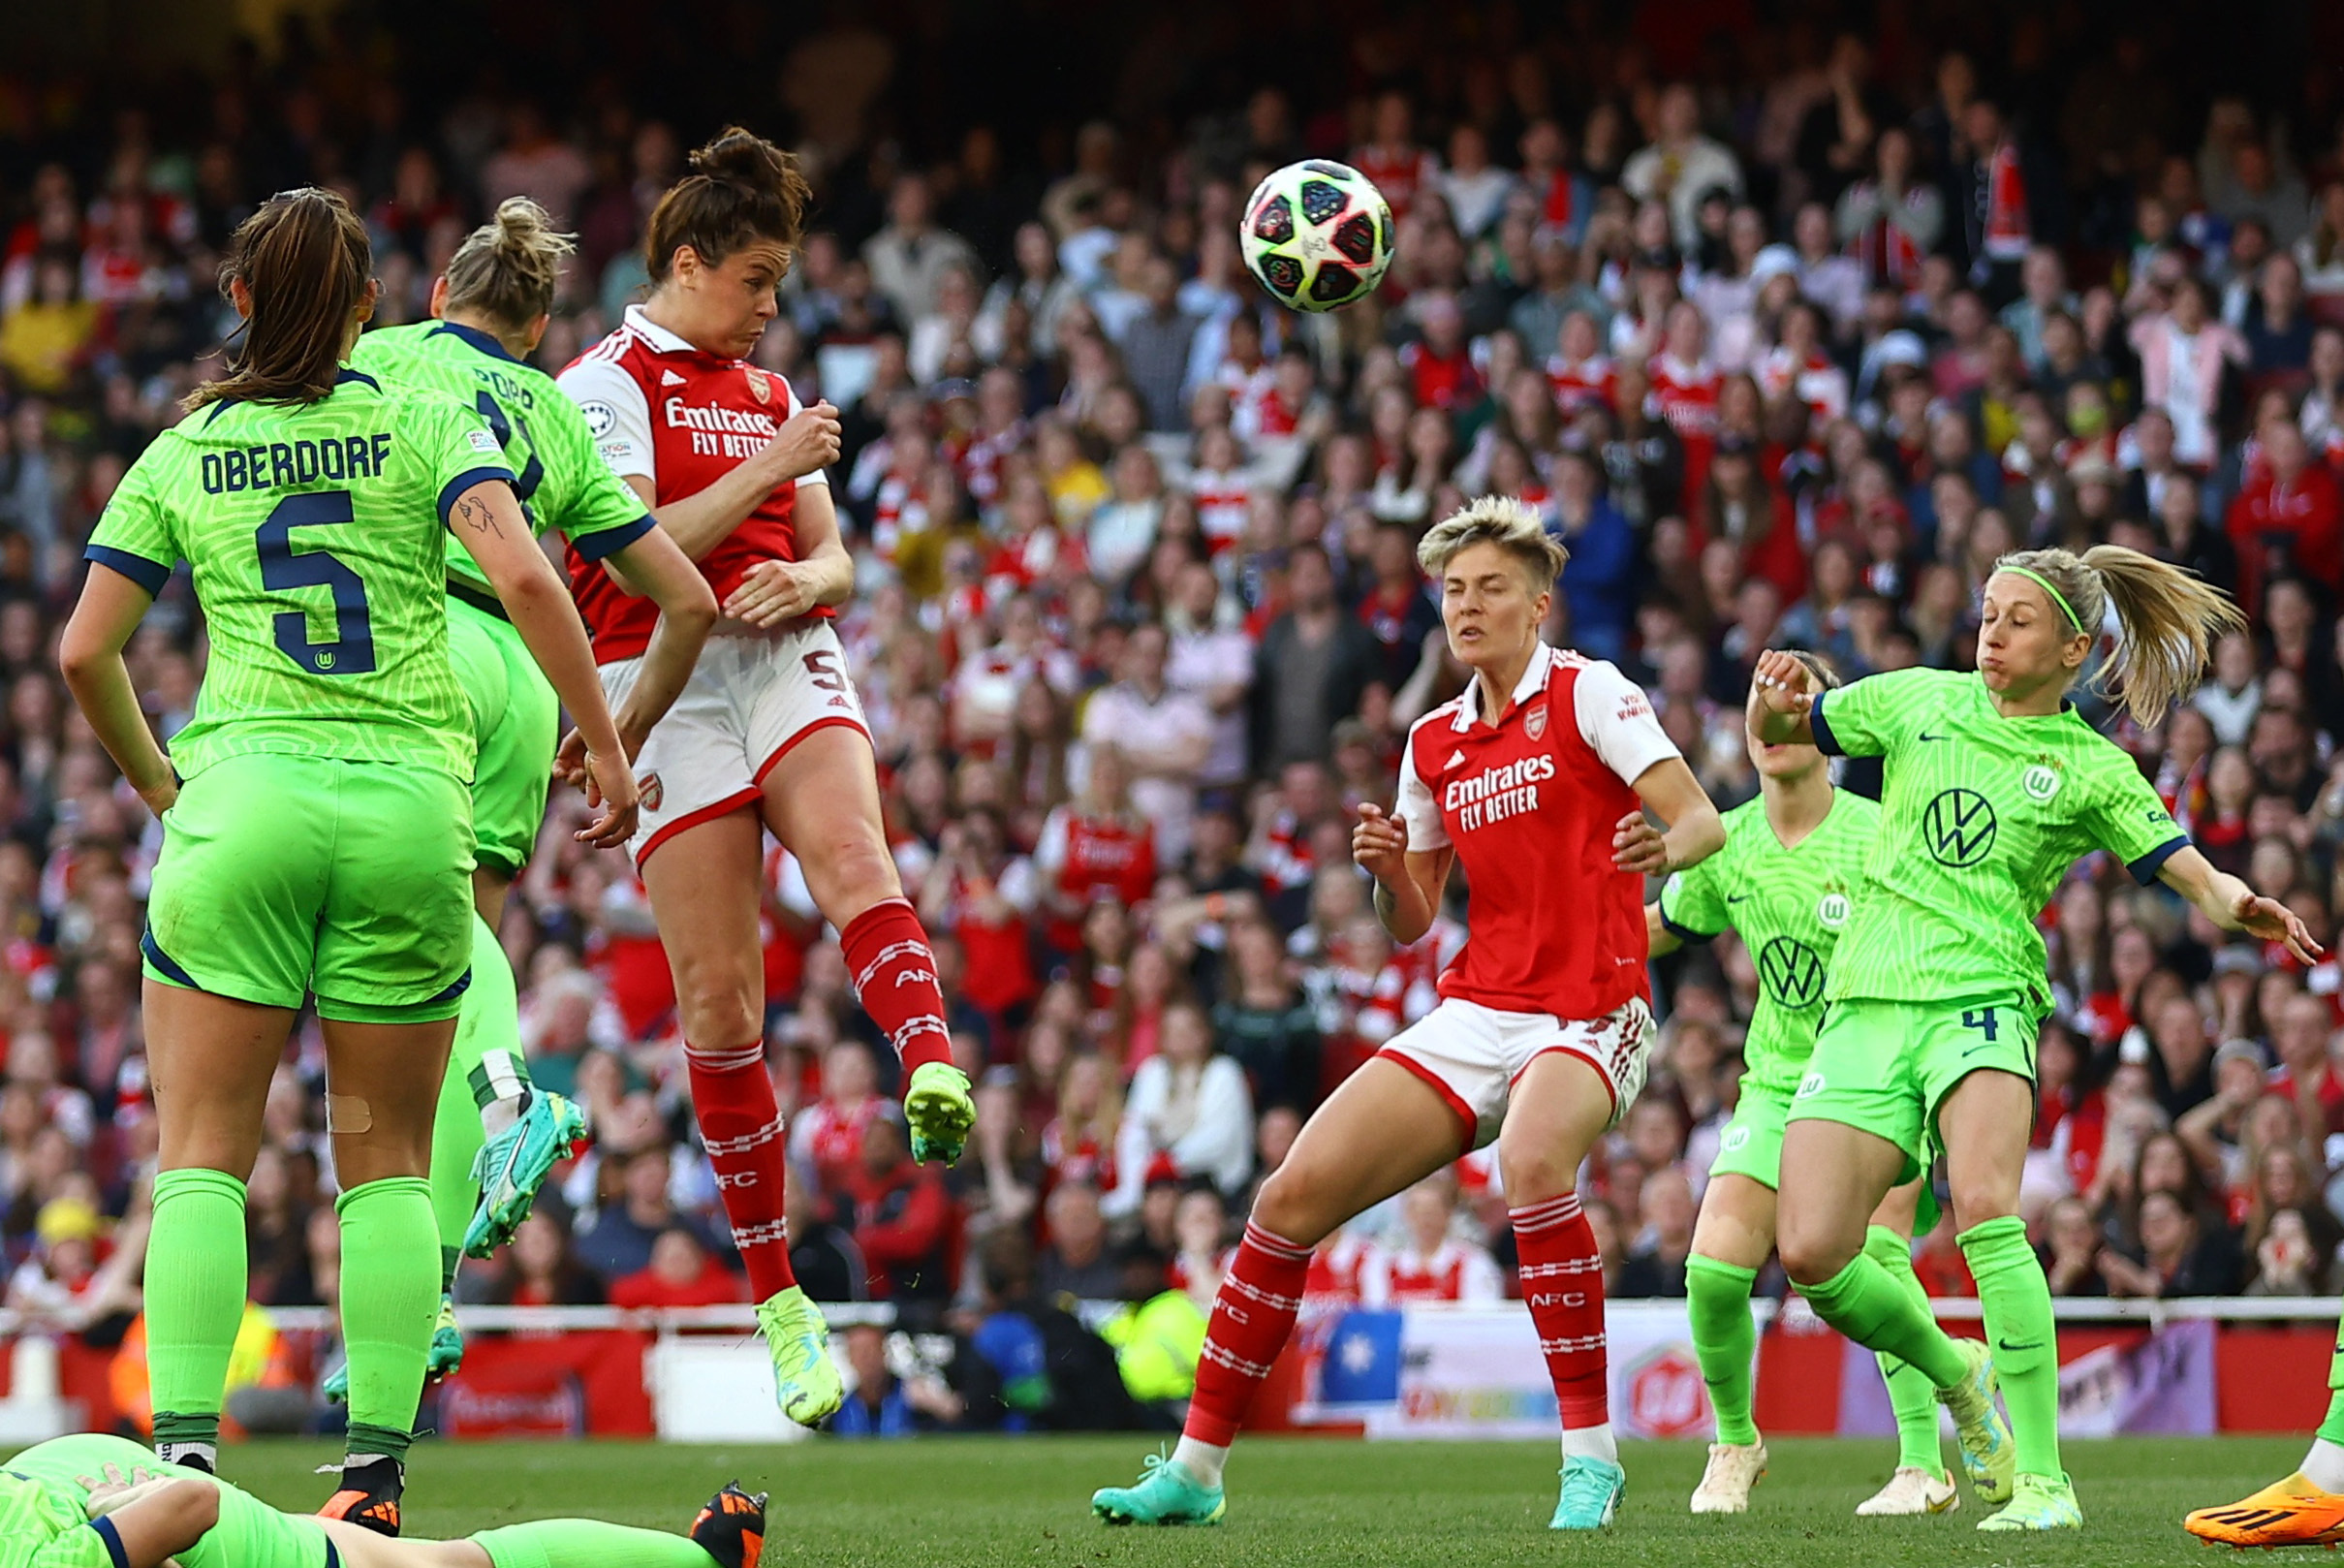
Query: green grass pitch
{"points": [[943, 1502]]}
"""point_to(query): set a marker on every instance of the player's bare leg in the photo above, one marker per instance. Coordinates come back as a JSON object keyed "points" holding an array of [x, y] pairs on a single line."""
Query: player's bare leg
{"points": [[1556, 1110], [1731, 1238], [822, 801], [1382, 1131], [704, 886], [1834, 1176]]}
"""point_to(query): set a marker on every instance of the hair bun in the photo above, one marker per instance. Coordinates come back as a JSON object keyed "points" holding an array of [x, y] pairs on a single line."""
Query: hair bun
{"points": [[745, 156], [525, 228]]}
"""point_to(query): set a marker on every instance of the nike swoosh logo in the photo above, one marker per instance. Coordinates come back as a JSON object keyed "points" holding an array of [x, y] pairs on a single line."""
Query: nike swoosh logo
{"points": [[1735, 897], [1925, 736], [1972, 1052], [2005, 1344]]}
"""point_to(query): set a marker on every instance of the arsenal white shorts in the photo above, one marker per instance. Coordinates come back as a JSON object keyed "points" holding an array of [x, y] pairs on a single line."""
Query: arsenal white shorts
{"points": [[753, 696], [1473, 1056]]}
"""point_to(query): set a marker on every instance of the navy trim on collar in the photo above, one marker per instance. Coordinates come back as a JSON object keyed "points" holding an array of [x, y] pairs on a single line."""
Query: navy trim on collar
{"points": [[485, 343], [345, 376]]}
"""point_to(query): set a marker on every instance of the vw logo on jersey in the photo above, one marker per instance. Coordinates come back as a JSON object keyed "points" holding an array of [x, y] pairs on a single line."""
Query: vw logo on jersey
{"points": [[1809, 1086], [2041, 782], [1832, 910], [1791, 972], [1737, 1138], [601, 418], [1958, 828]]}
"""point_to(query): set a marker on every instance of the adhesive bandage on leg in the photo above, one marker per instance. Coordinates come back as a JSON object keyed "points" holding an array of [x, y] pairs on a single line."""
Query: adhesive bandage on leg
{"points": [[348, 1113]]}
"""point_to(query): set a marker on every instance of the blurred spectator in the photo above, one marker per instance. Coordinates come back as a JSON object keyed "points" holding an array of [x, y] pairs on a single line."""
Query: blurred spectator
{"points": [[1189, 1104], [902, 1217], [1429, 1262], [1075, 1262]]}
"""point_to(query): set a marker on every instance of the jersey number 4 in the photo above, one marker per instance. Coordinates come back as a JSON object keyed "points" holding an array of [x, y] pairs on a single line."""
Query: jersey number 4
{"points": [[352, 650]]}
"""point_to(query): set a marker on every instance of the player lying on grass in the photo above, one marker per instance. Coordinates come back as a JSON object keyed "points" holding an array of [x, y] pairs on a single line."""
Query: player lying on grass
{"points": [[1537, 780], [498, 1137], [1787, 882], [103, 1502], [1995, 787]]}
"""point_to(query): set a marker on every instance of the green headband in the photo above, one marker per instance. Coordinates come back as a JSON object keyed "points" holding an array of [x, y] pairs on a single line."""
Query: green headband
{"points": [[2044, 584]]}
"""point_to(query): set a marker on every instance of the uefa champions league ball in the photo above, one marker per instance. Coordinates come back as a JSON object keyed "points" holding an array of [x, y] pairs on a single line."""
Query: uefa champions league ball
{"points": [[1317, 234]]}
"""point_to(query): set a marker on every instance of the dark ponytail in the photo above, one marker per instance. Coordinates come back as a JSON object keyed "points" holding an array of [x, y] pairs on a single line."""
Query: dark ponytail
{"points": [[307, 263], [741, 189]]}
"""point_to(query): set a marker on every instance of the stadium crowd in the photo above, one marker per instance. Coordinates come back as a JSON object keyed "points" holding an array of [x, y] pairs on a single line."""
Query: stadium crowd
{"points": [[1789, 336]]}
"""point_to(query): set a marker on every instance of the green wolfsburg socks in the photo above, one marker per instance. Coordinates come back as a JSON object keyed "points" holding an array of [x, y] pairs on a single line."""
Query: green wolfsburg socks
{"points": [[2016, 1301], [486, 1080], [584, 1543], [1717, 1299], [390, 1301], [195, 1300], [1870, 1305], [1910, 1394]]}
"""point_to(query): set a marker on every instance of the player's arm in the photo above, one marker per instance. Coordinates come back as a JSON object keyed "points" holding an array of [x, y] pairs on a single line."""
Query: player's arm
{"points": [[1782, 698], [1657, 936], [654, 566], [1694, 831], [90, 657], [144, 1520], [807, 443], [1408, 882], [487, 518], [2230, 903], [775, 592]]}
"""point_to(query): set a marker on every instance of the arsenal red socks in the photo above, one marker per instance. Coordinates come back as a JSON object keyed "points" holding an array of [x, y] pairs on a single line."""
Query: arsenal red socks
{"points": [[1563, 1284], [1253, 1314], [740, 1124], [894, 974]]}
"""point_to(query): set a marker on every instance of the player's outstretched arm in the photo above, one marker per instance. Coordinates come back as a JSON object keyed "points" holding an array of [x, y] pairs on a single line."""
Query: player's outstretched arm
{"points": [[654, 566], [90, 657], [2233, 905], [489, 521], [1782, 695], [1694, 831]]}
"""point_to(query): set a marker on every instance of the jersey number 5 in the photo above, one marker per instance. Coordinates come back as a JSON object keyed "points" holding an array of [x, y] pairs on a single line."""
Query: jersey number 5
{"points": [[532, 472], [352, 650]]}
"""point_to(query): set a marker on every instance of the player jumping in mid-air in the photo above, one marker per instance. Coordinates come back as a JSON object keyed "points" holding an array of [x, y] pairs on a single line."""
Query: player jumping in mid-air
{"points": [[1536, 780], [497, 1138], [317, 831], [1995, 787], [1787, 880], [104, 1502], [768, 732]]}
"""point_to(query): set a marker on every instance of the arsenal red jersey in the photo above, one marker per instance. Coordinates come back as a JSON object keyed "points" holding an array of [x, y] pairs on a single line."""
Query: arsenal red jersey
{"points": [[665, 411], [1529, 802]]}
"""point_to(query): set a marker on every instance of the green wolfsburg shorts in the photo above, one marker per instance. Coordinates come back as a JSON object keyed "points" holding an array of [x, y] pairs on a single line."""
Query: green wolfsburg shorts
{"points": [[282, 876], [1886, 1067], [250, 1533], [1752, 1143], [516, 725]]}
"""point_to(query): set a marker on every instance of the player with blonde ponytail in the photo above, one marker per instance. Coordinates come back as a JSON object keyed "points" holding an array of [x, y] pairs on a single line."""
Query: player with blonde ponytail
{"points": [[1995, 787], [496, 1137]]}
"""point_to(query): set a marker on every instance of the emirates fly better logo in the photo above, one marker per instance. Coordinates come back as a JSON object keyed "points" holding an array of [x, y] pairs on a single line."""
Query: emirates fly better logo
{"points": [[1958, 828]]}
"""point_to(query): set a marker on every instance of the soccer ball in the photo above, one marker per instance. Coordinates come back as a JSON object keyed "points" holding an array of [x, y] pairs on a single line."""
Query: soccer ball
{"points": [[1317, 234]]}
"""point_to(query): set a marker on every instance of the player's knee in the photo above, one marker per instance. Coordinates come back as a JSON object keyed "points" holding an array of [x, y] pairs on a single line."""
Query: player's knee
{"points": [[1285, 1208], [1811, 1256], [854, 873], [1978, 1200], [1536, 1173], [716, 1010]]}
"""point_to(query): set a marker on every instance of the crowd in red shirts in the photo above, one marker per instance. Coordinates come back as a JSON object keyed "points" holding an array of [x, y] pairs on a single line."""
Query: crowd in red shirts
{"points": [[1788, 336]]}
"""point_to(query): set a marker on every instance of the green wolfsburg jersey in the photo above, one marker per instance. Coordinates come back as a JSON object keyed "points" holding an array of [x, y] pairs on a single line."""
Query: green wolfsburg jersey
{"points": [[563, 480], [1982, 818], [44, 1524], [1790, 906], [314, 534]]}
